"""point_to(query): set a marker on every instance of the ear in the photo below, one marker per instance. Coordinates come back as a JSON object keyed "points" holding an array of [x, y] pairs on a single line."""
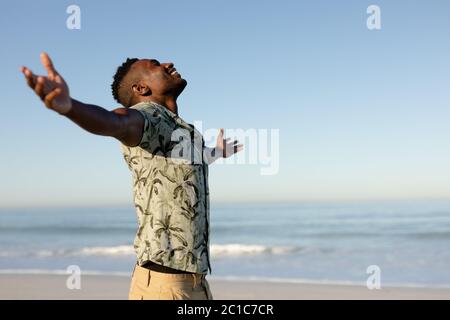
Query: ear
{"points": [[141, 89]]}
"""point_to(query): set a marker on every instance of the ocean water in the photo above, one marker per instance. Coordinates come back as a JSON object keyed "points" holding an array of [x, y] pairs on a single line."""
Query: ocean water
{"points": [[307, 242]]}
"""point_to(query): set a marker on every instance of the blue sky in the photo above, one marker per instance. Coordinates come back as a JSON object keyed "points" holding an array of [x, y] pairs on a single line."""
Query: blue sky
{"points": [[362, 114]]}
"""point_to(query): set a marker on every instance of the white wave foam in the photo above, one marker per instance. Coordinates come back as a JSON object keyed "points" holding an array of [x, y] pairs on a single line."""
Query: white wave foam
{"points": [[88, 251], [107, 251], [217, 250], [236, 249]]}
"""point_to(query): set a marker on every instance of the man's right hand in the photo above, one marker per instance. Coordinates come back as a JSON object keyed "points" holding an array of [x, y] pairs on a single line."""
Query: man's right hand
{"points": [[52, 89], [124, 124]]}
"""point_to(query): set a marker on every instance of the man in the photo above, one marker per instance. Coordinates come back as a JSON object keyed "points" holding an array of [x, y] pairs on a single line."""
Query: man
{"points": [[169, 164]]}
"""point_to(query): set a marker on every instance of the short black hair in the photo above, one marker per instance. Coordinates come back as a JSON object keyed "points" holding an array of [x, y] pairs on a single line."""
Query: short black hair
{"points": [[122, 97]]}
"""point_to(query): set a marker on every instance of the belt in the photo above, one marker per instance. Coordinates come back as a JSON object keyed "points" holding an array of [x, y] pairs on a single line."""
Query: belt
{"points": [[159, 268]]}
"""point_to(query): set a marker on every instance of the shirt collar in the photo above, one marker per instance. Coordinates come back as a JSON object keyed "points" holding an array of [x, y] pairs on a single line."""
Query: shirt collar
{"points": [[142, 105]]}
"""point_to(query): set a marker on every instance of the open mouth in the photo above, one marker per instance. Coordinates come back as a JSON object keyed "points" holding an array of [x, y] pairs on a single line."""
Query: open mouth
{"points": [[173, 72]]}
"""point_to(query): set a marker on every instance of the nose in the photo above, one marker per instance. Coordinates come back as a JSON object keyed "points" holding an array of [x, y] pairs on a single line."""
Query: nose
{"points": [[169, 65]]}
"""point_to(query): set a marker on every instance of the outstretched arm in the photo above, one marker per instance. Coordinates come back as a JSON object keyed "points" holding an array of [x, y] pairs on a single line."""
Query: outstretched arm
{"points": [[124, 124]]}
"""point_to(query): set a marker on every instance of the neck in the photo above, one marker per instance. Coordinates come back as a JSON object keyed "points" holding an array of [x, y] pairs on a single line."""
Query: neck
{"points": [[166, 101]]}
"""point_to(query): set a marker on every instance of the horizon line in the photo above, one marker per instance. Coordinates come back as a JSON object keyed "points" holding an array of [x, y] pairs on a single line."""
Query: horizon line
{"points": [[239, 202]]}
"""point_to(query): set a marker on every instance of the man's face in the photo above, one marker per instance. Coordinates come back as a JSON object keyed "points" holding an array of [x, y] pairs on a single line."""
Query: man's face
{"points": [[162, 78]]}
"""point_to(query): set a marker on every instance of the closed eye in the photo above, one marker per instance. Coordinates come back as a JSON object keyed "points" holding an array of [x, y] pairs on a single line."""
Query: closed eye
{"points": [[155, 62]]}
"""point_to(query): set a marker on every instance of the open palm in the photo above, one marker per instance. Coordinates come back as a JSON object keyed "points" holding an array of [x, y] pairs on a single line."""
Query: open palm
{"points": [[52, 89], [226, 148]]}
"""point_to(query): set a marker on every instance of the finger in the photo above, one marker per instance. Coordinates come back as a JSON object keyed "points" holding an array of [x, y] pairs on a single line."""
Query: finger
{"points": [[24, 70], [48, 64], [48, 100], [238, 148], [233, 143], [220, 133], [29, 77], [39, 88]]}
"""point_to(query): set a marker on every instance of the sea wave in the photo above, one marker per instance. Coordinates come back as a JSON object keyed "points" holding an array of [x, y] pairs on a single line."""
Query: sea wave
{"points": [[235, 249], [108, 251], [122, 250], [216, 250], [58, 229]]}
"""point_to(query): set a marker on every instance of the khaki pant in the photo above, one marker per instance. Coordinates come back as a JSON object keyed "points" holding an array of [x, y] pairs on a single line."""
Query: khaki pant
{"points": [[151, 285]]}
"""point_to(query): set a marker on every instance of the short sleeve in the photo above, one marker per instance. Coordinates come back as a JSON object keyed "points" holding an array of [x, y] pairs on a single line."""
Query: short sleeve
{"points": [[157, 134], [146, 124]]}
